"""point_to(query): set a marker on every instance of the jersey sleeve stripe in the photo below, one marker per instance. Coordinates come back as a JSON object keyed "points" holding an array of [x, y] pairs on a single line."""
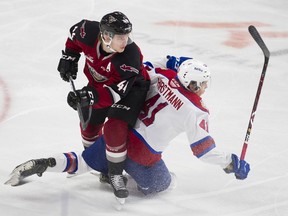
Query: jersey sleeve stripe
{"points": [[202, 146]]}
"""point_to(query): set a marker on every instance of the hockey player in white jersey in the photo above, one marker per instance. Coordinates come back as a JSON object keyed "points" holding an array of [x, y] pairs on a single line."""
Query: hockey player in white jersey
{"points": [[173, 106]]}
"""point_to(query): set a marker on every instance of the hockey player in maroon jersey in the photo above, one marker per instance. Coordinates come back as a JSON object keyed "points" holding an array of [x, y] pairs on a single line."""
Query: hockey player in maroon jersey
{"points": [[116, 89], [173, 106]]}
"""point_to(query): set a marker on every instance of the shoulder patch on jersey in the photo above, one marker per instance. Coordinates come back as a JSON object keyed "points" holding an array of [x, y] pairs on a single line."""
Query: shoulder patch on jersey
{"points": [[128, 63], [125, 67]]}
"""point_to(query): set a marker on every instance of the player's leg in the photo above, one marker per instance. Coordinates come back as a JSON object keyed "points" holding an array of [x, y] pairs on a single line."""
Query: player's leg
{"points": [[95, 156], [91, 133], [66, 162], [115, 134], [121, 117]]}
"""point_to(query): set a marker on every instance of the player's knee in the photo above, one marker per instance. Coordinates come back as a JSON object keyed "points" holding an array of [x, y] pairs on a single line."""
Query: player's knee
{"points": [[154, 186], [115, 132], [90, 134]]}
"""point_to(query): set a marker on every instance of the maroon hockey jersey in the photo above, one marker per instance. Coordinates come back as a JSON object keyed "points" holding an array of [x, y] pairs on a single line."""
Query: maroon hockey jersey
{"points": [[116, 72]]}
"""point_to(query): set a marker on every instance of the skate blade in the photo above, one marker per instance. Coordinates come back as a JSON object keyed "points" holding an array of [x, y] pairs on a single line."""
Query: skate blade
{"points": [[173, 183], [13, 181], [121, 200], [119, 203], [71, 175]]}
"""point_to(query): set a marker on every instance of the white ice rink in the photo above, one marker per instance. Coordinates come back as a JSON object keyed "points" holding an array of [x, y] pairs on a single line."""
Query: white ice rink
{"points": [[35, 120]]}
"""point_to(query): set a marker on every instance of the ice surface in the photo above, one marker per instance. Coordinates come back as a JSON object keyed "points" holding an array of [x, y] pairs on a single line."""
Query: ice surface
{"points": [[35, 120]]}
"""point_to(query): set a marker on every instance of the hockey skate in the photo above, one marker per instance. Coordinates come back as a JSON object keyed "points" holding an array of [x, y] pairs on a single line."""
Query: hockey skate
{"points": [[118, 184], [31, 167], [104, 178]]}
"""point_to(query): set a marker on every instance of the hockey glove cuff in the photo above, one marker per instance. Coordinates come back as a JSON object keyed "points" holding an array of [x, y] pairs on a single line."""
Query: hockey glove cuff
{"points": [[173, 62], [87, 96], [68, 65], [239, 167]]}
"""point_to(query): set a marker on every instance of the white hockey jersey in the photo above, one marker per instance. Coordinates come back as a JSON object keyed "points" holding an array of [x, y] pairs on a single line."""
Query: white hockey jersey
{"points": [[170, 109]]}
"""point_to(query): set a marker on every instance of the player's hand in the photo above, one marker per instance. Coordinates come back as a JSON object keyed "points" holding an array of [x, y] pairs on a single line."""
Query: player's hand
{"points": [[239, 167], [173, 62], [68, 65], [85, 97]]}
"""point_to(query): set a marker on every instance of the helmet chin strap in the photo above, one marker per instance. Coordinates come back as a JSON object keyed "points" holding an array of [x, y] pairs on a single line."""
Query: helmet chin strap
{"points": [[108, 44]]}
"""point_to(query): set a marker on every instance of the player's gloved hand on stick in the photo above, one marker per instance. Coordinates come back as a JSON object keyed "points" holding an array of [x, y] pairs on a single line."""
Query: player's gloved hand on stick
{"points": [[239, 167], [85, 97], [173, 62], [68, 65]]}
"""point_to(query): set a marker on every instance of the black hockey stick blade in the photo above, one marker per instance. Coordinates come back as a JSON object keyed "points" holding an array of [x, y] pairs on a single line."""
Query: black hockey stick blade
{"points": [[256, 36]]}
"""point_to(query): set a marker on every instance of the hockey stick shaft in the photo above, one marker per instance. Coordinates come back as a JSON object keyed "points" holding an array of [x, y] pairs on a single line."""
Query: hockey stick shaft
{"points": [[79, 110], [256, 36]]}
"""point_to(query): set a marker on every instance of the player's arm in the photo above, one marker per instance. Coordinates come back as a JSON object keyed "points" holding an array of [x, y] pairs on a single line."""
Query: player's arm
{"points": [[68, 63], [90, 96], [128, 70], [170, 62], [103, 97], [203, 147], [81, 35], [230, 163]]}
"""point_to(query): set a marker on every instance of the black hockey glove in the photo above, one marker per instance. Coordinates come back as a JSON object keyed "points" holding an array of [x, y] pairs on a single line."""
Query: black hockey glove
{"points": [[85, 97], [68, 65]]}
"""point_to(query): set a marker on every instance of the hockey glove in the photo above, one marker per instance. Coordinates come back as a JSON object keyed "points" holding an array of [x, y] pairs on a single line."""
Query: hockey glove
{"points": [[173, 62], [68, 65], [85, 97], [239, 167]]}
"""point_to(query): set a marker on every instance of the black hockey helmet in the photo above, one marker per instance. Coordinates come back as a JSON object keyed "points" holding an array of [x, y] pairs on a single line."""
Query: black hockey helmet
{"points": [[115, 23]]}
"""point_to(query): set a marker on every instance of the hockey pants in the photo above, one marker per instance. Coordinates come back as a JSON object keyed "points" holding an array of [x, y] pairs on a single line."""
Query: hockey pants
{"points": [[150, 179]]}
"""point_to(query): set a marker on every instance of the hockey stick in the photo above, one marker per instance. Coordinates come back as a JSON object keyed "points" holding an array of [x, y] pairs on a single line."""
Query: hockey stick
{"points": [[256, 36], [84, 123]]}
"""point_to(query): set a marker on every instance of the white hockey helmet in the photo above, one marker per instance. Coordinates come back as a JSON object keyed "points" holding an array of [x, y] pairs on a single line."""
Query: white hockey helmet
{"points": [[194, 71]]}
